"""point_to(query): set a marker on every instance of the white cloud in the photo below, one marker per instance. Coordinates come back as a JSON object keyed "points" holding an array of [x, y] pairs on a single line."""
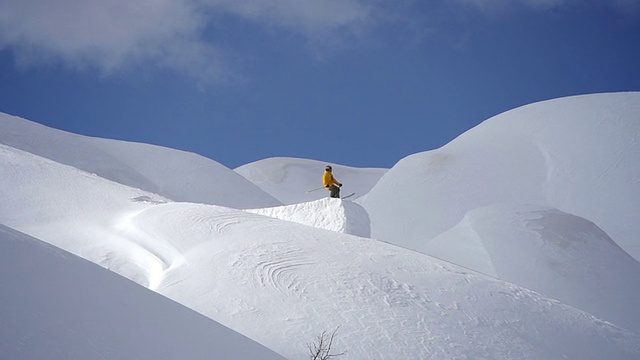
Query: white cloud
{"points": [[111, 35], [105, 34]]}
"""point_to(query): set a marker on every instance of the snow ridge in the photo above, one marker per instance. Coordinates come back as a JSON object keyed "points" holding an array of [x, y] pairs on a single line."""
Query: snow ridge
{"points": [[337, 215], [173, 174], [579, 154]]}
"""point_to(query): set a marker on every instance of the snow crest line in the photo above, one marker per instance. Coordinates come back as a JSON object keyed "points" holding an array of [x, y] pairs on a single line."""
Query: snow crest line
{"points": [[154, 257], [329, 214]]}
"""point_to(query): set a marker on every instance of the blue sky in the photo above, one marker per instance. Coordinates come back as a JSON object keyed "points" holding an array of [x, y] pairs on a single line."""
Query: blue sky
{"points": [[352, 82]]}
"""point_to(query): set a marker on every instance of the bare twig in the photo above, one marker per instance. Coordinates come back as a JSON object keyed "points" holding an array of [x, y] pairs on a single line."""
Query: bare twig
{"points": [[321, 349]]}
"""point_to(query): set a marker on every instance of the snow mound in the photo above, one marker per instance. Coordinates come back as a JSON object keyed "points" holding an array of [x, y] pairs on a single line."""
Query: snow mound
{"points": [[546, 250], [56, 306], [331, 214], [289, 179], [580, 155], [174, 174], [295, 281], [67, 207]]}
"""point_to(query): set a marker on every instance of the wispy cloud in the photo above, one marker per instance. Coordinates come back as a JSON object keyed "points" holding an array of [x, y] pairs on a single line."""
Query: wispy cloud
{"points": [[104, 34], [116, 35], [112, 35]]}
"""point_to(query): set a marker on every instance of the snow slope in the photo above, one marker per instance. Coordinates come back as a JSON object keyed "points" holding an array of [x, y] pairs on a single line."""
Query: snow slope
{"points": [[281, 283], [243, 269], [554, 253], [330, 214], [580, 155], [290, 180], [295, 281], [73, 209], [174, 174], [56, 306]]}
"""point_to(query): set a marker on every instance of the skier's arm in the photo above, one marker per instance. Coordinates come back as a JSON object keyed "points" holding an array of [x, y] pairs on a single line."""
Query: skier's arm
{"points": [[336, 181]]}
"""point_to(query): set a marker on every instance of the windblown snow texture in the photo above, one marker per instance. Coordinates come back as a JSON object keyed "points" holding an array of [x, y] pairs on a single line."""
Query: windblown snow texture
{"points": [[536, 206]]}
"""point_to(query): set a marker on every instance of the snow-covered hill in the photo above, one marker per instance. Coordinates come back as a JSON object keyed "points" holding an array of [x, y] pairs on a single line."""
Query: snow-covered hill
{"points": [[554, 253], [296, 281], [54, 305], [174, 174], [74, 210], [294, 181], [580, 155], [282, 279], [243, 269]]}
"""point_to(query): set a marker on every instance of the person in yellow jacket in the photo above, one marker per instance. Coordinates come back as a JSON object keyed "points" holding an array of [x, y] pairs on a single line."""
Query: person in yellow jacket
{"points": [[331, 183]]}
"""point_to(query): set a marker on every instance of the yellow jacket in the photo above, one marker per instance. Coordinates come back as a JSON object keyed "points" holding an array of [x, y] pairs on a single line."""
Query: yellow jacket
{"points": [[328, 180]]}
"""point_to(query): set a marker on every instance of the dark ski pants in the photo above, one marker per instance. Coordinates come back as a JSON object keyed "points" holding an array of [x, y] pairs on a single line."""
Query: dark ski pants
{"points": [[335, 191]]}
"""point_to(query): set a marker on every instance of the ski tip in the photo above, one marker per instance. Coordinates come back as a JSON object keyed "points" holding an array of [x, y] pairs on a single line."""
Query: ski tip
{"points": [[347, 196]]}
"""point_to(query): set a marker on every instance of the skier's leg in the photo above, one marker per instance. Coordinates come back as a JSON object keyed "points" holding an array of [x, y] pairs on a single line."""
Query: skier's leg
{"points": [[335, 191]]}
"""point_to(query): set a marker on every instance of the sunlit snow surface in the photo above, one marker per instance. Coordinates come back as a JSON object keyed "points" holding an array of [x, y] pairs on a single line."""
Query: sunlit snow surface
{"points": [[177, 175], [330, 214], [56, 306], [580, 155], [280, 275], [554, 253]]}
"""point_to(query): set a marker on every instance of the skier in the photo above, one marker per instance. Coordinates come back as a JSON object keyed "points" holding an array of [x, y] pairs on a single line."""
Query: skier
{"points": [[331, 183]]}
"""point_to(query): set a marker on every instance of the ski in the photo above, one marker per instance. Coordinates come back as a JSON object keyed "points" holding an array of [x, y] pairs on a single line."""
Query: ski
{"points": [[312, 190], [347, 196]]}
